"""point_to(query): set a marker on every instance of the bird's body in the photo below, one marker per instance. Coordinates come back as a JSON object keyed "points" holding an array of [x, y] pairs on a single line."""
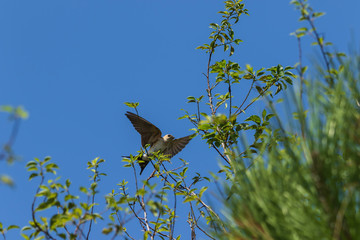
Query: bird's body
{"points": [[151, 135], [159, 145]]}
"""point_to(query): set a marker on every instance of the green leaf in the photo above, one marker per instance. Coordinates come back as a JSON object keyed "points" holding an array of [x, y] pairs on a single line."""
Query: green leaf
{"points": [[189, 199], [254, 118], [62, 235], [141, 192], [268, 117], [20, 112], [314, 43], [131, 104], [69, 197], [33, 175], [7, 108], [232, 50], [265, 78], [221, 39], [248, 76], [249, 68], [84, 190], [203, 189], [191, 99], [340, 54], [43, 206], [214, 25], [85, 206], [302, 29], [318, 14], [25, 228], [26, 237], [31, 164], [303, 70], [263, 113], [204, 126], [287, 79], [5, 179], [68, 183], [289, 74], [278, 89], [237, 41], [12, 227], [108, 230]]}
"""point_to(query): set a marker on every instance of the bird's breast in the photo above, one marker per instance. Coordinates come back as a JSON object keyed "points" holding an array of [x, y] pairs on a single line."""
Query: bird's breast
{"points": [[159, 145]]}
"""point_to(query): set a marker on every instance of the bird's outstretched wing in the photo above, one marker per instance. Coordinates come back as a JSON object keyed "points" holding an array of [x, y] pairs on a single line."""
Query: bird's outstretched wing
{"points": [[177, 145], [148, 131]]}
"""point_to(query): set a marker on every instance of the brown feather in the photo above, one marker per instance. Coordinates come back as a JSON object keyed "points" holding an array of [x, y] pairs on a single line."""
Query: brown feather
{"points": [[148, 131], [177, 145]]}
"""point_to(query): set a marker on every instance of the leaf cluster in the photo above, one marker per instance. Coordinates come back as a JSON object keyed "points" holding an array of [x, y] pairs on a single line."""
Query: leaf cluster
{"points": [[68, 214]]}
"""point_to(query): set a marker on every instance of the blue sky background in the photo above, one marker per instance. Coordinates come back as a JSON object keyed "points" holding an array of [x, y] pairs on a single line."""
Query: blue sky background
{"points": [[72, 65]]}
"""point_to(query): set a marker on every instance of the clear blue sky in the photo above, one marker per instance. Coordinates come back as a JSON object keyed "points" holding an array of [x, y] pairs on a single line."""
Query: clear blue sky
{"points": [[72, 65]]}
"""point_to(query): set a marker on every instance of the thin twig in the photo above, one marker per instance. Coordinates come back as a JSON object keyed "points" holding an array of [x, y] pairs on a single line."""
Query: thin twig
{"points": [[159, 215], [12, 138], [197, 225], [300, 71], [39, 228], [255, 99], [301, 75], [196, 222], [208, 83], [92, 207], [141, 221], [135, 176], [128, 235], [115, 235], [202, 202], [142, 224], [320, 43], [181, 187], [142, 204], [248, 93], [311, 22], [230, 101], [213, 145], [218, 151], [198, 109], [172, 223], [191, 224], [78, 228]]}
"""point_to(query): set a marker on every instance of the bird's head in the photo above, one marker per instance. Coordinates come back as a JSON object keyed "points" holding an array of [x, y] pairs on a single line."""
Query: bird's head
{"points": [[168, 137]]}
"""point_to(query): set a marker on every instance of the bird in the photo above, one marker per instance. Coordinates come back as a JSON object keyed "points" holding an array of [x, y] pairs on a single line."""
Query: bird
{"points": [[151, 135]]}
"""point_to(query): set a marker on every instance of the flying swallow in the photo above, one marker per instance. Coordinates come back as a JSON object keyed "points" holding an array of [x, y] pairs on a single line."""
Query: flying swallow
{"points": [[151, 135]]}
